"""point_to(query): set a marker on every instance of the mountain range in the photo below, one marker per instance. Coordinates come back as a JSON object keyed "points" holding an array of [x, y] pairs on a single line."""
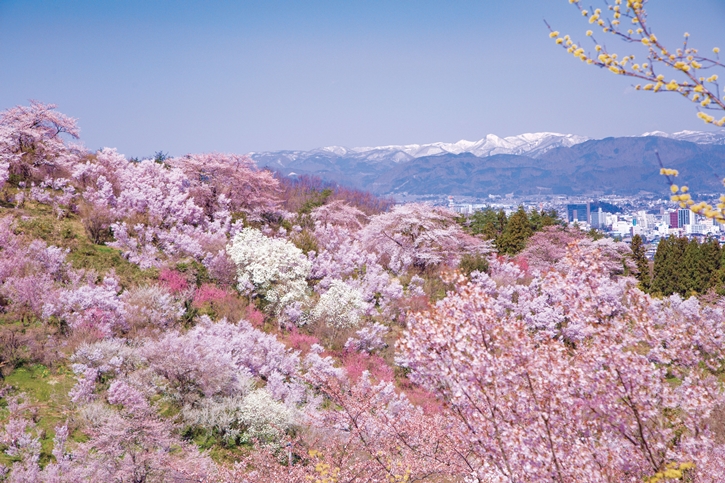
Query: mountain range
{"points": [[537, 163]]}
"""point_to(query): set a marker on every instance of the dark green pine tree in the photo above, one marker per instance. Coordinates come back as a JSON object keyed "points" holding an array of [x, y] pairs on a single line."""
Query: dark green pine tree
{"points": [[501, 222], [694, 273], [711, 254], [517, 231], [540, 219], [660, 283], [718, 280], [678, 265], [668, 264], [640, 260], [488, 223]]}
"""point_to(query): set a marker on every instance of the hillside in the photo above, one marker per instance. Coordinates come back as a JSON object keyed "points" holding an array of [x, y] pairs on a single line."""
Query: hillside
{"points": [[197, 319]]}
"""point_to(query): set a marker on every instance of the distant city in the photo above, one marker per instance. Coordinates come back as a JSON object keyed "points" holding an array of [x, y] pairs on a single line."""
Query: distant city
{"points": [[619, 217]]}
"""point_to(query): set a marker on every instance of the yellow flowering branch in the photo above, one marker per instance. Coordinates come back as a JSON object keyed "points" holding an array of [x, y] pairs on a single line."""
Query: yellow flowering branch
{"points": [[686, 63]]}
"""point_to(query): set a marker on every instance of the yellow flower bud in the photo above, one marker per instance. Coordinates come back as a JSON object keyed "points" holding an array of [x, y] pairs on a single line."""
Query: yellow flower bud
{"points": [[554, 34], [705, 117]]}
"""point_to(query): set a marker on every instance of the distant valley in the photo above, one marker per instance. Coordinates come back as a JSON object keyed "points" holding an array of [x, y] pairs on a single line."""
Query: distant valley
{"points": [[539, 163]]}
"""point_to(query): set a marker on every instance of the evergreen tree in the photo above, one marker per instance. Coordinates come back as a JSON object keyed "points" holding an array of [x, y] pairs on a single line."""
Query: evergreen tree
{"points": [[595, 234], [640, 259], [668, 265], [694, 272], [488, 223], [517, 232], [540, 219], [496, 226], [718, 280], [501, 222], [711, 254]]}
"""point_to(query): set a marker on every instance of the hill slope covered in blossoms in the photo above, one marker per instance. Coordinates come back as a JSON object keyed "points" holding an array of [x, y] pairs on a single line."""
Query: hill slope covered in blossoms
{"points": [[199, 319]]}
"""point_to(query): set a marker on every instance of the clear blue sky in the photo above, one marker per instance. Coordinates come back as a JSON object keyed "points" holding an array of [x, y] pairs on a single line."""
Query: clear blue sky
{"points": [[239, 76]]}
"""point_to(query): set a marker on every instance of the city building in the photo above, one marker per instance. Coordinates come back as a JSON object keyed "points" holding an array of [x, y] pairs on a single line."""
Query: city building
{"points": [[674, 220], [598, 219], [685, 217], [578, 212]]}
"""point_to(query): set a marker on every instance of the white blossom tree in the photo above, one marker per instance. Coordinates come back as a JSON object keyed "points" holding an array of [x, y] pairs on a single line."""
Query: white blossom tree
{"points": [[271, 268]]}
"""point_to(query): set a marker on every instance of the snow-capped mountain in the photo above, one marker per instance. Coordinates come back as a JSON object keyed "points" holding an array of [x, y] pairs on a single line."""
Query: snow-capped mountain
{"points": [[697, 137], [530, 144], [528, 163]]}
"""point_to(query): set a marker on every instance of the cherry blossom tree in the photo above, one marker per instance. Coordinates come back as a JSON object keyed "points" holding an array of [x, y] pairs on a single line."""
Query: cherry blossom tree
{"points": [[230, 179], [375, 435], [418, 235], [569, 379], [339, 214], [31, 138]]}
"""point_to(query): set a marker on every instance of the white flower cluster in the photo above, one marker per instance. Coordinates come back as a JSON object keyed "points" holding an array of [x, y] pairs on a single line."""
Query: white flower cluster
{"points": [[264, 418], [254, 417], [341, 306], [271, 267]]}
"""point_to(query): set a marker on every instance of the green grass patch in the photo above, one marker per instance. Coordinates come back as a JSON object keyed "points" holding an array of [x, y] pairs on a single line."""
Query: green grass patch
{"points": [[41, 223], [102, 259], [65, 233], [47, 391]]}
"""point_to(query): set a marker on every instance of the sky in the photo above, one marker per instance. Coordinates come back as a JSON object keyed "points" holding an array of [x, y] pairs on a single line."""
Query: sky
{"points": [[238, 76]]}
